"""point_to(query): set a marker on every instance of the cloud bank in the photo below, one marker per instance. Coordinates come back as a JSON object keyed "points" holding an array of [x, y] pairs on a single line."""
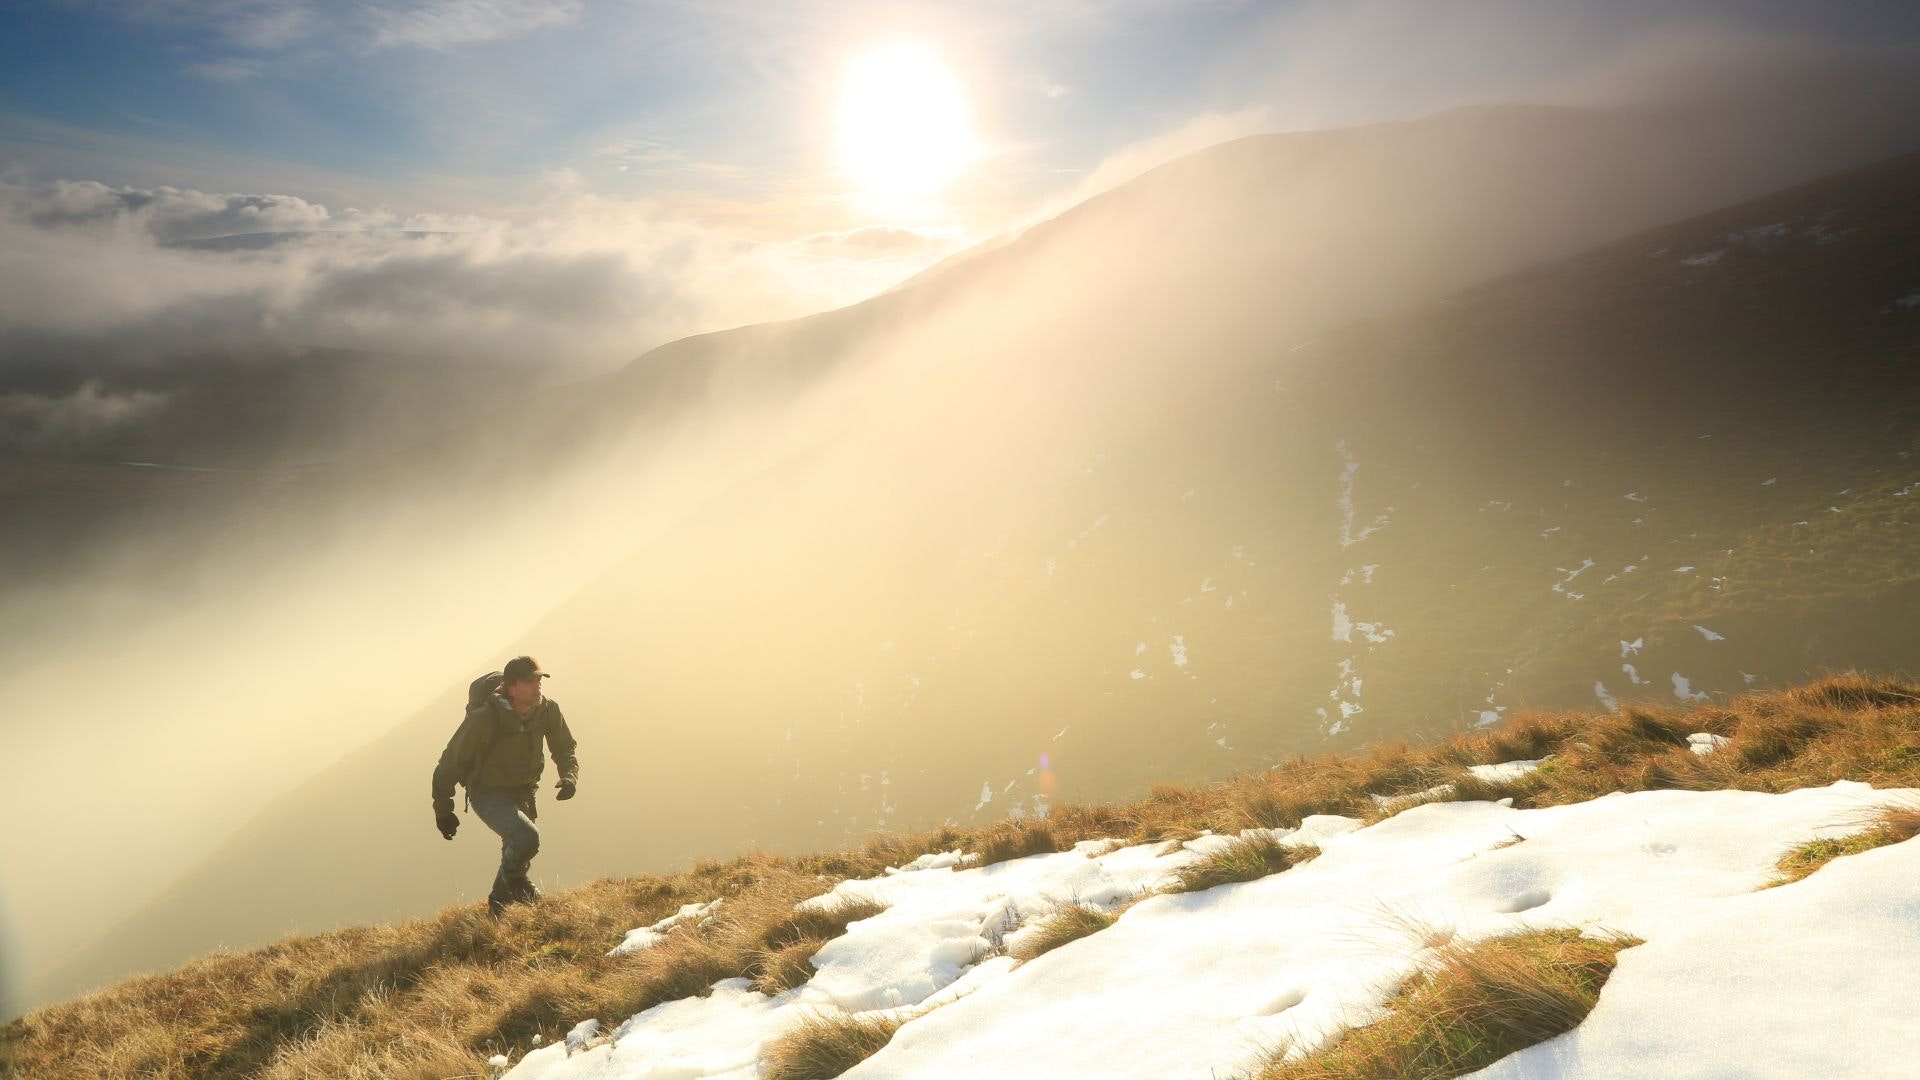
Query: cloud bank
{"points": [[41, 422], [579, 281]]}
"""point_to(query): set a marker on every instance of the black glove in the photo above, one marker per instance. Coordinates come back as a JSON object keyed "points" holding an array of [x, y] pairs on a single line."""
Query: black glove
{"points": [[448, 821], [566, 791]]}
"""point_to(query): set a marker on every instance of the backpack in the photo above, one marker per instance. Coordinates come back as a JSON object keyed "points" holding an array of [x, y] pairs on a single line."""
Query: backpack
{"points": [[478, 691], [484, 687]]}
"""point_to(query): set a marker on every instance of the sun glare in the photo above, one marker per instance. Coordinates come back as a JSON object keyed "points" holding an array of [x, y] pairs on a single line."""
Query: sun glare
{"points": [[903, 123]]}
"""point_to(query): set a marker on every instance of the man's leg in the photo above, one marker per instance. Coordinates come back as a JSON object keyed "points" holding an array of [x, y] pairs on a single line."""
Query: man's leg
{"points": [[519, 843]]}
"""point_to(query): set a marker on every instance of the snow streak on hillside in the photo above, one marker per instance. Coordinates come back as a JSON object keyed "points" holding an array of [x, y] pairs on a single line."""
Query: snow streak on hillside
{"points": [[1813, 978]]}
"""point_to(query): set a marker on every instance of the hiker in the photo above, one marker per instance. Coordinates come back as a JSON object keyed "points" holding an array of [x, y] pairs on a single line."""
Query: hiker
{"points": [[496, 756]]}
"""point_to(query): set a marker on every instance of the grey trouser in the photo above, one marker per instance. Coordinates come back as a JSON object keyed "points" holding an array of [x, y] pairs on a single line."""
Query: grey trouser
{"points": [[519, 841]]}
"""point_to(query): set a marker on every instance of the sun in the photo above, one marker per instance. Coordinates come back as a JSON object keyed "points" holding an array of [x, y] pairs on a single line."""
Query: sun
{"points": [[903, 123]]}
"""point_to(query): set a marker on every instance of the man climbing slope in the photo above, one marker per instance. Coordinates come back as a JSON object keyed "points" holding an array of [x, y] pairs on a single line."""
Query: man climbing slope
{"points": [[496, 756]]}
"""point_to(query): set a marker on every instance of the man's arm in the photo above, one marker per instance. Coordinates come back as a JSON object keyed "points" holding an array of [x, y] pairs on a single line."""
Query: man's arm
{"points": [[561, 744]]}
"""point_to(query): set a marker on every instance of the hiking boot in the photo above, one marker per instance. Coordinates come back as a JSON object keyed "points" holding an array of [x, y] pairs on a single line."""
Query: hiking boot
{"points": [[520, 892]]}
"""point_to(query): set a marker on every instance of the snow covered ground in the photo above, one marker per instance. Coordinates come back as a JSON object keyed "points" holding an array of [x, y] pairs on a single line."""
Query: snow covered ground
{"points": [[1816, 978]]}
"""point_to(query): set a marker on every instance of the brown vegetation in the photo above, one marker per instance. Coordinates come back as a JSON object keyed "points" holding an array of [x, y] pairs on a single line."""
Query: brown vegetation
{"points": [[824, 1045], [1478, 1003], [1066, 923], [1241, 859], [1887, 825], [437, 996]]}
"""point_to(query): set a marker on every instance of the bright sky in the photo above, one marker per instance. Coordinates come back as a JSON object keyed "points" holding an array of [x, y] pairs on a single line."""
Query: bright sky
{"points": [[847, 143], [719, 109]]}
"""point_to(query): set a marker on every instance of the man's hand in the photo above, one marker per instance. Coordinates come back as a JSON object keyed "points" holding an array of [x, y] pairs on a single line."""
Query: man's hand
{"points": [[448, 821], [566, 791]]}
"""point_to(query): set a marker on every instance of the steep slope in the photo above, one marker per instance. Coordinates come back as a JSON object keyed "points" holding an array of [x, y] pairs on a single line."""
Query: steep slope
{"points": [[1157, 560], [1200, 929], [1281, 234]]}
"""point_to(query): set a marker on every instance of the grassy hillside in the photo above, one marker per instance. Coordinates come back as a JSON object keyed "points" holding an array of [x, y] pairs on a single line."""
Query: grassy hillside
{"points": [[1135, 499], [436, 997]]}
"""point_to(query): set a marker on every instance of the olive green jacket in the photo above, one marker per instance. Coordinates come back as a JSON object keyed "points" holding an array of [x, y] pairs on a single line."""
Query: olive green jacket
{"points": [[496, 747]]}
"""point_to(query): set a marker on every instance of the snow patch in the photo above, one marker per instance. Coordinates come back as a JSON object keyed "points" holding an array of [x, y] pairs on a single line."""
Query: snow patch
{"points": [[1606, 699], [646, 937], [938, 860], [1706, 742], [1342, 625], [1505, 771], [1348, 535], [1683, 689], [1760, 237]]}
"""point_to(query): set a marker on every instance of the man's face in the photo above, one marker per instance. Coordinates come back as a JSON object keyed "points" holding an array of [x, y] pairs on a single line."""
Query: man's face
{"points": [[524, 695]]}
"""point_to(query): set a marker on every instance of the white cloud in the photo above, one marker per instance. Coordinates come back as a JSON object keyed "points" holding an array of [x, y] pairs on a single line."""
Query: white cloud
{"points": [[51, 421], [1050, 89], [576, 279], [252, 24], [648, 156], [165, 214], [224, 70], [266, 25], [442, 24]]}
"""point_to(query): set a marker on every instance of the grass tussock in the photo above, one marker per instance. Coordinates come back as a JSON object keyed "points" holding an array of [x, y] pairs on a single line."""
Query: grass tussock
{"points": [[1241, 859], [1016, 839], [1066, 923], [437, 996], [787, 943], [1478, 1003], [824, 1045], [1888, 825]]}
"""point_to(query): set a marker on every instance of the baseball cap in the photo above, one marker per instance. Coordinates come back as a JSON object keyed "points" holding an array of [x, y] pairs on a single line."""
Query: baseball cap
{"points": [[522, 668]]}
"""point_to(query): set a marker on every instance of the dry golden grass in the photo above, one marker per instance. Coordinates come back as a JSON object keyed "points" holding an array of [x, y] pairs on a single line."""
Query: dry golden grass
{"points": [[788, 942], [1066, 923], [1478, 1003], [437, 996], [1014, 840], [823, 1045], [1887, 825], [1240, 859]]}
